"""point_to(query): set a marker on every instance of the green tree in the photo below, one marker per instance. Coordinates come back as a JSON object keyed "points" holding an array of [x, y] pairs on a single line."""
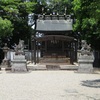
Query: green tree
{"points": [[17, 12], [6, 27], [59, 6], [87, 14]]}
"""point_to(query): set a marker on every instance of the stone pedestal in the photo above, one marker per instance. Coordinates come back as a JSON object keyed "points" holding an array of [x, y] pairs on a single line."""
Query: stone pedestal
{"points": [[19, 64], [85, 63]]}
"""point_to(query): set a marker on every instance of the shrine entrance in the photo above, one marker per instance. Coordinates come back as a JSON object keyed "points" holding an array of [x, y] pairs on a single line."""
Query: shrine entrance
{"points": [[56, 49], [56, 45]]}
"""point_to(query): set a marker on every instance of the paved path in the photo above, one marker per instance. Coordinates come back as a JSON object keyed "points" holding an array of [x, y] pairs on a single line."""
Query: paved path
{"points": [[49, 85]]}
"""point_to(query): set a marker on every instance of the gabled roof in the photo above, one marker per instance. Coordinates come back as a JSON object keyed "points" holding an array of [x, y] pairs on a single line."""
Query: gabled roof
{"points": [[54, 23]]}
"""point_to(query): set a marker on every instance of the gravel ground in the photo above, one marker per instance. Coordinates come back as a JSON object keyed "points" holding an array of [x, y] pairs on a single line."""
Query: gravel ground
{"points": [[49, 85]]}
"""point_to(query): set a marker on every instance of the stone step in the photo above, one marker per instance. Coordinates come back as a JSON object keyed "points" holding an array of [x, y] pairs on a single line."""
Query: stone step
{"points": [[49, 66], [54, 60]]}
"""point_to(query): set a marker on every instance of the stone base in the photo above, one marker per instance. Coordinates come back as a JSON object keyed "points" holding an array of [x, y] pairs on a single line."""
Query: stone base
{"points": [[85, 67], [6, 67], [85, 64], [53, 67], [19, 64], [6, 63]]}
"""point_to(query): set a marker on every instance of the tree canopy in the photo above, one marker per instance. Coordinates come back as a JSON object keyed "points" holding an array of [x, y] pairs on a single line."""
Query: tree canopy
{"points": [[87, 15], [16, 11], [58, 6], [6, 27]]}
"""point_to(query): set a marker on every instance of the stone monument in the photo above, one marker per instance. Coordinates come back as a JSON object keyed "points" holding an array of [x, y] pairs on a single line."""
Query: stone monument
{"points": [[85, 58], [19, 62]]}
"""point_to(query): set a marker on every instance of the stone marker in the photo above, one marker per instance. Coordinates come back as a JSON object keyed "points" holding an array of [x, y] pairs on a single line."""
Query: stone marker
{"points": [[85, 58]]}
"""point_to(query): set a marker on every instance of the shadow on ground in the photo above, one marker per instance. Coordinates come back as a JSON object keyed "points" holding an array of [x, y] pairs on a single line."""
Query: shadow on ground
{"points": [[92, 83]]}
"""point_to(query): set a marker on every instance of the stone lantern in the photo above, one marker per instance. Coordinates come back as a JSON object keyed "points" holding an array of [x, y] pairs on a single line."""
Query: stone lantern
{"points": [[5, 60]]}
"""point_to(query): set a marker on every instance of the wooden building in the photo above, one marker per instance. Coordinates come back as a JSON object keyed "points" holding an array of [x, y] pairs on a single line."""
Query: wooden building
{"points": [[54, 39]]}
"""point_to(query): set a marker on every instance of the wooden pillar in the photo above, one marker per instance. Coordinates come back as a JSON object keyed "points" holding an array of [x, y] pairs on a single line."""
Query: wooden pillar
{"points": [[62, 46], [71, 53], [41, 49], [35, 39], [34, 51], [37, 53], [32, 43], [76, 46], [46, 46]]}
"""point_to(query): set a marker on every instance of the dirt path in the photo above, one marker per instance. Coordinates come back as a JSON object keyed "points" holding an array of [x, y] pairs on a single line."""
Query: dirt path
{"points": [[49, 85]]}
